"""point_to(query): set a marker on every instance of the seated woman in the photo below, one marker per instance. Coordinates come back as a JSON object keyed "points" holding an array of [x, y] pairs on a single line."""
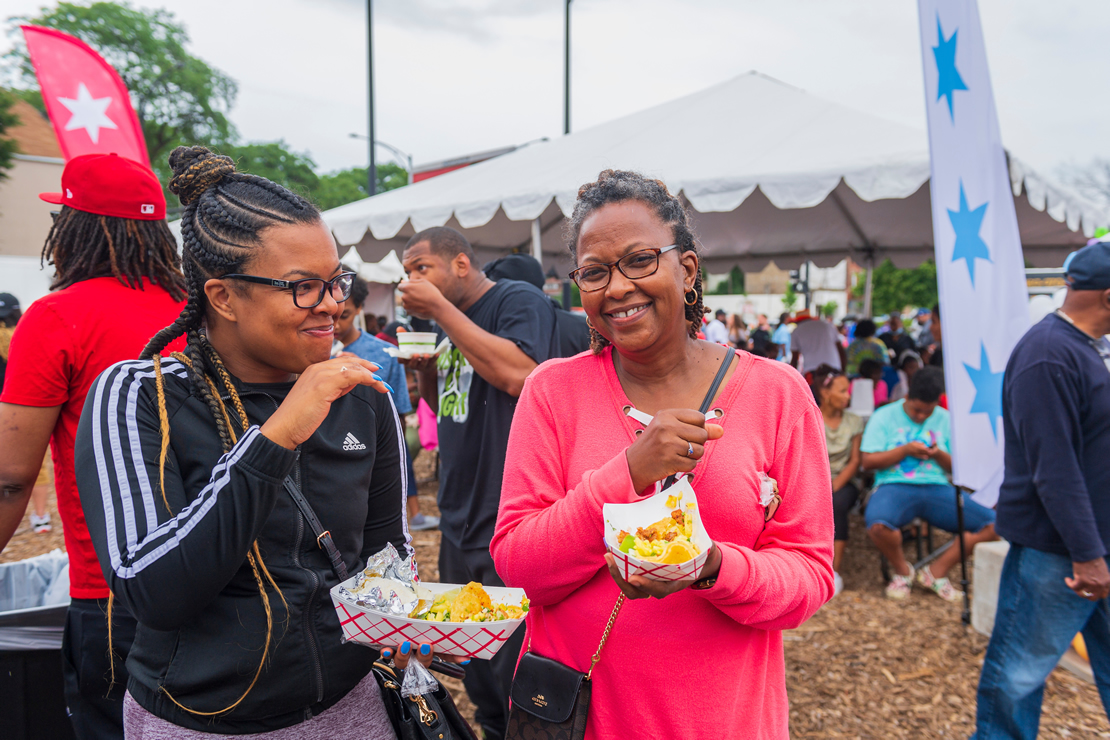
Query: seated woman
{"points": [[906, 442], [865, 347], [843, 431], [576, 444], [187, 467]]}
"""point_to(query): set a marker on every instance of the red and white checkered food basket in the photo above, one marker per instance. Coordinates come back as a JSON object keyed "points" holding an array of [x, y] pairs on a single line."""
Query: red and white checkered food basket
{"points": [[629, 517], [463, 639]]}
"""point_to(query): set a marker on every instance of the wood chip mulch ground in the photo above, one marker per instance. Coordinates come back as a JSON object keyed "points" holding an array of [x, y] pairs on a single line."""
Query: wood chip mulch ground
{"points": [[862, 667]]}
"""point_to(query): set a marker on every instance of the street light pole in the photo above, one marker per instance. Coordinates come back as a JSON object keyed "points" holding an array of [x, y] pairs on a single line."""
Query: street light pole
{"points": [[372, 170], [407, 157], [404, 155], [566, 72]]}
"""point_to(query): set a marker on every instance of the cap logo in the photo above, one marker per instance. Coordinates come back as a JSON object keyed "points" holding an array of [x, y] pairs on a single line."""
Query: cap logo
{"points": [[147, 208], [69, 193]]}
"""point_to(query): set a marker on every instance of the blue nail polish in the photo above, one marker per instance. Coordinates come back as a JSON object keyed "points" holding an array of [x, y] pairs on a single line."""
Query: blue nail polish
{"points": [[425, 649], [406, 647], [390, 388], [464, 662], [387, 653], [375, 377]]}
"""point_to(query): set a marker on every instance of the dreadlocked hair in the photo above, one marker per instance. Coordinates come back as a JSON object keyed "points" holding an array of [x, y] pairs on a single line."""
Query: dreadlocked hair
{"points": [[619, 186], [84, 245], [225, 214]]}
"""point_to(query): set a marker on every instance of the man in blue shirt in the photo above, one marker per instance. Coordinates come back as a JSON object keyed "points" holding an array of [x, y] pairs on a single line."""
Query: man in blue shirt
{"points": [[907, 443], [1054, 504]]}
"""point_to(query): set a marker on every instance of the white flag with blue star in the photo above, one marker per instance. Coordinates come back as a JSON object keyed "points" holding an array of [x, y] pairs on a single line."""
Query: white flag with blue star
{"points": [[980, 268]]}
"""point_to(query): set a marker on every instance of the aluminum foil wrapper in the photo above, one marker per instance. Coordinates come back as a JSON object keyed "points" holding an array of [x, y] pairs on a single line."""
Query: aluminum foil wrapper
{"points": [[370, 591]]}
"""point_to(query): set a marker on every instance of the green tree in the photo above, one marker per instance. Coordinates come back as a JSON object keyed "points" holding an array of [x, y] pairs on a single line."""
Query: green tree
{"points": [[275, 161], [828, 310], [789, 298], [7, 120], [179, 98], [892, 289], [346, 186], [734, 285]]}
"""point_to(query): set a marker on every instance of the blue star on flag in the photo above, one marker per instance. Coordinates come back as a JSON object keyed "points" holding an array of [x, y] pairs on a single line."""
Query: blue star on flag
{"points": [[948, 77], [988, 390], [966, 223]]}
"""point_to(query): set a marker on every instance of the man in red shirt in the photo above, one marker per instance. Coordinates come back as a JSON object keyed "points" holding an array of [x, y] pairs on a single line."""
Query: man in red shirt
{"points": [[117, 282]]}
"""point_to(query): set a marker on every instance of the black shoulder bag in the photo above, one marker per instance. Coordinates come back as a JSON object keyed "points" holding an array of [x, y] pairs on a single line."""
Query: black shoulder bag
{"points": [[551, 701], [432, 716]]}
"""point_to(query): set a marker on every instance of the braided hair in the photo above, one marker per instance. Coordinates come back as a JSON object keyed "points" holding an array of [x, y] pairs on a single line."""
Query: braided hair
{"points": [[225, 214], [84, 245], [619, 186]]}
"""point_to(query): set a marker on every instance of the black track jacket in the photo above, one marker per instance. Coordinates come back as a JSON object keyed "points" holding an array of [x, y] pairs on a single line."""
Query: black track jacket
{"points": [[183, 572]]}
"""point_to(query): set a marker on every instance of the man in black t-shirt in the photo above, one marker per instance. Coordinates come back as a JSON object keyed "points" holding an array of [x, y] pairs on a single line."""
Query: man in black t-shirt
{"points": [[574, 332], [499, 332]]}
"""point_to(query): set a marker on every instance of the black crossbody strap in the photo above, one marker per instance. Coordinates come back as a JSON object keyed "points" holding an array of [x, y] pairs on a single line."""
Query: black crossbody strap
{"points": [[717, 380], [323, 536], [705, 404]]}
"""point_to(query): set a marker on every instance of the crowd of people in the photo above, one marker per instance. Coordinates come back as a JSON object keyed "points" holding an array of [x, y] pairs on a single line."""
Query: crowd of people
{"points": [[245, 440], [897, 460]]}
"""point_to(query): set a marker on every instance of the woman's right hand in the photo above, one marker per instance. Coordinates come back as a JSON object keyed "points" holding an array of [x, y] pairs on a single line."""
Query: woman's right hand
{"points": [[308, 403], [663, 449]]}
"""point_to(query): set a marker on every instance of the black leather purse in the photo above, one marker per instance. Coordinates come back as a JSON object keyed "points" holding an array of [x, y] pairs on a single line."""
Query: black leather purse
{"points": [[551, 701], [432, 716]]}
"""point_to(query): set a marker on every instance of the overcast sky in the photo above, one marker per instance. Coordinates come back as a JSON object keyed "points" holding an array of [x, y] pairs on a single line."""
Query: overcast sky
{"points": [[454, 77]]}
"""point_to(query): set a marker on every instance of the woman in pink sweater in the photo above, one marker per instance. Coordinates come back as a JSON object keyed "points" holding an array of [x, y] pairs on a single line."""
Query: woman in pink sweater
{"points": [[702, 659]]}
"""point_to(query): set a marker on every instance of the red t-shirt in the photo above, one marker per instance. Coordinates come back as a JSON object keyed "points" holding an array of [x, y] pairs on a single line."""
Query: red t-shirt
{"points": [[60, 346]]}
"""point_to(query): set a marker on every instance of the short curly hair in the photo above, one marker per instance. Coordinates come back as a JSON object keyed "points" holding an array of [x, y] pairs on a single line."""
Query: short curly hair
{"points": [[620, 186]]}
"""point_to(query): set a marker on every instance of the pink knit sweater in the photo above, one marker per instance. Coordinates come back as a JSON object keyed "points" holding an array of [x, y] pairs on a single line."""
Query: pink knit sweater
{"points": [[697, 664]]}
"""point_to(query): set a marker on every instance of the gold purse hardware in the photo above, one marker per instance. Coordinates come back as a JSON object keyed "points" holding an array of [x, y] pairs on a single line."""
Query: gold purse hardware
{"points": [[427, 716]]}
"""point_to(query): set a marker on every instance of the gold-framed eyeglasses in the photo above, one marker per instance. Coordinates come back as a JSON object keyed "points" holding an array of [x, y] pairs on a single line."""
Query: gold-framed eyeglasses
{"points": [[634, 265]]}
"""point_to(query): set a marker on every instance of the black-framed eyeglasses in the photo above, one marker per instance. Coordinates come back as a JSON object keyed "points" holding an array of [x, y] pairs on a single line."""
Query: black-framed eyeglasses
{"points": [[634, 265], [308, 292]]}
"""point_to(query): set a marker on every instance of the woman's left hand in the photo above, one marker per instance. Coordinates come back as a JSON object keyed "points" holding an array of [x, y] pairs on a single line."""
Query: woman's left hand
{"points": [[423, 653], [638, 587]]}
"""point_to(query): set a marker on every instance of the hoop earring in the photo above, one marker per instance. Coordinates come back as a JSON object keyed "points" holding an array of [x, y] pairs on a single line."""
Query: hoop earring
{"points": [[686, 298], [588, 324]]}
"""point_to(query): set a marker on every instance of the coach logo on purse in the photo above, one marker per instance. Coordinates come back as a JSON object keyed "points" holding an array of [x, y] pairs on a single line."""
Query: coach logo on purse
{"points": [[539, 701]]}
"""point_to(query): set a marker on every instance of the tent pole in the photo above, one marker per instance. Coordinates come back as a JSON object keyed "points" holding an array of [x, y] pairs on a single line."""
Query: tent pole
{"points": [[867, 287], [372, 170], [537, 239], [566, 70]]}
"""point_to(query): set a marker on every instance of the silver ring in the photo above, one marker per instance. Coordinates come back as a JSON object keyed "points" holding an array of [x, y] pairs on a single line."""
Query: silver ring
{"points": [[690, 450], [343, 369], [1088, 594]]}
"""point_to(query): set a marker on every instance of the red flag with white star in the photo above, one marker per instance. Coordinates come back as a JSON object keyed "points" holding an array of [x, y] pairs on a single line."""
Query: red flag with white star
{"points": [[85, 98]]}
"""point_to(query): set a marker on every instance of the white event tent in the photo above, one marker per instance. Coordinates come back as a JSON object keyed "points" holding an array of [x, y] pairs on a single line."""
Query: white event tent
{"points": [[771, 171]]}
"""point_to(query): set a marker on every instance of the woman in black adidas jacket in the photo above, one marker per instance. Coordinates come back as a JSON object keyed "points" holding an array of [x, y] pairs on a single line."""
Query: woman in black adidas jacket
{"points": [[181, 463]]}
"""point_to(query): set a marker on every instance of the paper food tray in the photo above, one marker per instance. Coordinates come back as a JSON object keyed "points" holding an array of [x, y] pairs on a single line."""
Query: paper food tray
{"points": [[648, 511], [463, 639]]}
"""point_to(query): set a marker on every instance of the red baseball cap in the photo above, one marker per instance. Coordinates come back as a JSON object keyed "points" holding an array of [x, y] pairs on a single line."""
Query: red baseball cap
{"points": [[110, 185]]}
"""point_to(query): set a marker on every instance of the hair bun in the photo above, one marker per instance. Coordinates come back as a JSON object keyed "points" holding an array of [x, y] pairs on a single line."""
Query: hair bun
{"points": [[195, 170]]}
